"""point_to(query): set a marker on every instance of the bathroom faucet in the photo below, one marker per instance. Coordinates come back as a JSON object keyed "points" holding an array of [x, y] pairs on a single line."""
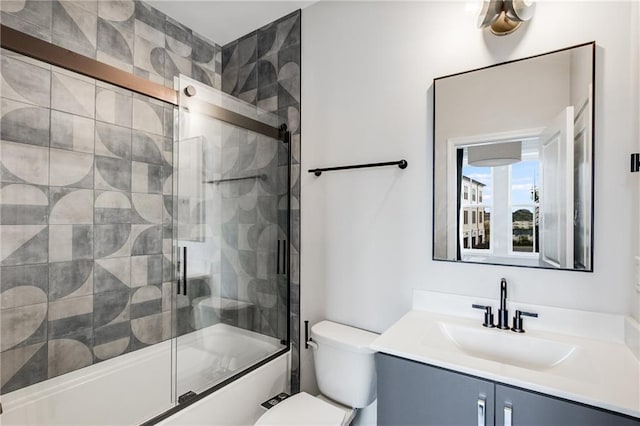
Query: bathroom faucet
{"points": [[503, 313]]}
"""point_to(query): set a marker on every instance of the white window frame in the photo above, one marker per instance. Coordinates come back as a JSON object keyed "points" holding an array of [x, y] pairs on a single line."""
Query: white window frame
{"points": [[454, 237]]}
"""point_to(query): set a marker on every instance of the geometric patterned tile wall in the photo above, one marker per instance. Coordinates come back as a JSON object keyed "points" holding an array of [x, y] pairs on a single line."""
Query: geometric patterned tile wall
{"points": [[83, 167], [263, 68], [85, 178], [127, 34]]}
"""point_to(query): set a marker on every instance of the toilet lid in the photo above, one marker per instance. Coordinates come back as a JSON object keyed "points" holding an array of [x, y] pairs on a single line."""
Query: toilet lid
{"points": [[302, 409]]}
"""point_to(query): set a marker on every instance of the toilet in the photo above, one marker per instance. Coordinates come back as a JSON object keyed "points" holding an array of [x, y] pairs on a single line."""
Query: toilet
{"points": [[346, 375]]}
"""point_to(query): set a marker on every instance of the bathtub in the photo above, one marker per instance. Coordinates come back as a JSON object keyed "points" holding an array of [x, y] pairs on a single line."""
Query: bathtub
{"points": [[137, 386]]}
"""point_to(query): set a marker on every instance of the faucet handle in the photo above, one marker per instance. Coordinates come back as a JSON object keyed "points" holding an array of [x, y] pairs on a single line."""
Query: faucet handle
{"points": [[517, 320], [488, 315]]}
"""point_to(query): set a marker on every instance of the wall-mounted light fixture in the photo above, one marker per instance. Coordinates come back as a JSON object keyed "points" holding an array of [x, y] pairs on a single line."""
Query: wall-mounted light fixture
{"points": [[505, 16]]}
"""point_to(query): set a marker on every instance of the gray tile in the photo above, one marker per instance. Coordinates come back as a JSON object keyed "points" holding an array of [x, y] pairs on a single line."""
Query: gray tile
{"points": [[24, 123], [112, 207], [72, 132], [74, 28], [37, 13], [146, 270], [175, 64], [23, 244], [169, 115], [203, 75], [70, 169], [115, 38], [288, 32], [145, 301], [147, 116], [178, 37], [147, 239], [113, 274], [248, 262], [23, 285], [267, 40], [70, 242], [113, 141], [111, 340], [203, 51], [70, 353], [149, 16], [23, 326], [22, 204], [70, 206], [267, 74], [168, 267], [117, 11], [113, 107], [73, 95], [22, 163], [148, 56], [229, 78], [112, 240], [248, 49], [146, 178], [147, 208], [26, 27], [110, 307], [149, 330], [70, 316], [70, 279], [148, 148], [23, 366], [25, 82], [113, 174]]}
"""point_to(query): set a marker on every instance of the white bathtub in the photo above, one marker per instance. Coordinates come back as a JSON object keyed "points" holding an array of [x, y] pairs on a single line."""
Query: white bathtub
{"points": [[135, 387]]}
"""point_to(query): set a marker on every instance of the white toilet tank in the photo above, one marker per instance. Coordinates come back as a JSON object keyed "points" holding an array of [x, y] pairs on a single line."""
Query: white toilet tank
{"points": [[345, 366]]}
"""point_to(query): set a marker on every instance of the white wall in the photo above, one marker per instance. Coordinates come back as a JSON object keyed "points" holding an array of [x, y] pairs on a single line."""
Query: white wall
{"points": [[368, 70]]}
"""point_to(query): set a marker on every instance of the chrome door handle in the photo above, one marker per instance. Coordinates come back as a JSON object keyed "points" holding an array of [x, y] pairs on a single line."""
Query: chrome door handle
{"points": [[481, 410], [508, 412]]}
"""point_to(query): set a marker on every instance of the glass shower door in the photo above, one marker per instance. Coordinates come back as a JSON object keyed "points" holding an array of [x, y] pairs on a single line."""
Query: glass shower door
{"points": [[231, 215]]}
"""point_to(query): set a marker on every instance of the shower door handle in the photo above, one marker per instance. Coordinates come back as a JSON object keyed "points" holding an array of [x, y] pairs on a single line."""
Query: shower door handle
{"points": [[281, 257], [182, 267], [284, 257], [177, 269], [184, 271]]}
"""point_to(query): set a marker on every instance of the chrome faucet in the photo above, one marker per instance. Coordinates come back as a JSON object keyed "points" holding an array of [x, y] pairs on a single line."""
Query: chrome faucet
{"points": [[503, 313]]}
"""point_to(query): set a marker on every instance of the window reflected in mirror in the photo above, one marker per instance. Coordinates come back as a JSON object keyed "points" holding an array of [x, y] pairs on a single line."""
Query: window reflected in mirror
{"points": [[513, 166]]}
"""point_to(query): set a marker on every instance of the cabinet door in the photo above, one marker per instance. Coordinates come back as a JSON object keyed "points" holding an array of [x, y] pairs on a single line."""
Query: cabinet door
{"points": [[528, 408], [412, 393]]}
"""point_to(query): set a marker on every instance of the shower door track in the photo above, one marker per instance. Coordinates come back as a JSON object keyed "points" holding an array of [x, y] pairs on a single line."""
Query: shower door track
{"points": [[35, 48]]}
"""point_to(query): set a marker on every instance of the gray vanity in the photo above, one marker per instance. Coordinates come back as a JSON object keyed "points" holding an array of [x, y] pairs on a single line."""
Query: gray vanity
{"points": [[438, 365], [413, 393]]}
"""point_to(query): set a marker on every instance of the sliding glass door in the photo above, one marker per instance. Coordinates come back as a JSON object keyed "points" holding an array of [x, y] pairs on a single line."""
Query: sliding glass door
{"points": [[230, 228]]}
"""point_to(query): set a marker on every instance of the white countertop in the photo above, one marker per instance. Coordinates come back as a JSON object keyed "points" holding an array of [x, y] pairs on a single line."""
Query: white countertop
{"points": [[601, 373]]}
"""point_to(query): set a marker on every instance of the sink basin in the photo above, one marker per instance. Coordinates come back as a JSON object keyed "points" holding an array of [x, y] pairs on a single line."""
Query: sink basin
{"points": [[507, 347]]}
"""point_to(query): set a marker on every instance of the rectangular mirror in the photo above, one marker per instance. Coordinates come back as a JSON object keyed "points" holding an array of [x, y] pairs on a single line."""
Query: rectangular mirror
{"points": [[513, 165]]}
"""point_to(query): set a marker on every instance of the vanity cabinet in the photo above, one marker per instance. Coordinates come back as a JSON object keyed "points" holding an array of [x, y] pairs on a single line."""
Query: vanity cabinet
{"points": [[412, 393]]}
